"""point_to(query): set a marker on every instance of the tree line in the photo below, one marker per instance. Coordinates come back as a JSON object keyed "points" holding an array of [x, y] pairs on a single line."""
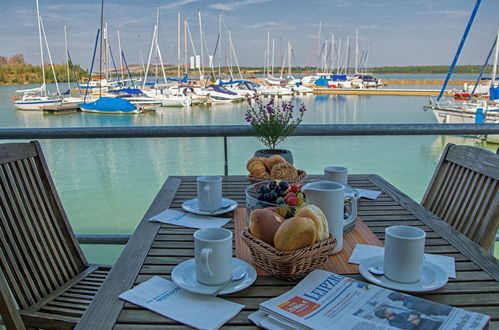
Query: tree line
{"points": [[16, 71]]}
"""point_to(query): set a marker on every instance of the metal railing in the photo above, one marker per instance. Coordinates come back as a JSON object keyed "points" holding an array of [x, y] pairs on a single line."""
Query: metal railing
{"points": [[226, 131]]}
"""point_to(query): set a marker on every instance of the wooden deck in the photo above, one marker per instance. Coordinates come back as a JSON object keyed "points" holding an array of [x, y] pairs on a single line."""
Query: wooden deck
{"points": [[155, 249], [59, 109]]}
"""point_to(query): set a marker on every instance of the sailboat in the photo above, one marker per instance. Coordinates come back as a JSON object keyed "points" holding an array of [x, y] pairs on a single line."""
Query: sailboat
{"points": [[473, 109], [36, 98], [106, 105]]}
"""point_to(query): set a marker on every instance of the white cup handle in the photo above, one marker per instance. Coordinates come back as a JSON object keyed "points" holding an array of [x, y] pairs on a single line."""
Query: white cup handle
{"points": [[206, 191], [205, 265], [353, 201]]}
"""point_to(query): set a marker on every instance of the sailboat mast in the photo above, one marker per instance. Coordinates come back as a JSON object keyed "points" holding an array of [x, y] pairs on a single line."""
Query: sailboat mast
{"points": [[201, 45], [356, 50], [100, 46], [178, 46], [496, 56], [67, 55], [220, 46], [289, 59], [41, 45], [185, 47], [268, 53], [121, 57], [157, 42]]}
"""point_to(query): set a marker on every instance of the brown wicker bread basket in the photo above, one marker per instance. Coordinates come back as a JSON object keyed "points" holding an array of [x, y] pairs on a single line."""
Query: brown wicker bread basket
{"points": [[302, 175], [288, 265]]}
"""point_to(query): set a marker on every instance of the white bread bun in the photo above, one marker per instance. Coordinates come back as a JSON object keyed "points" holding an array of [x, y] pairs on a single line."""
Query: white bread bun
{"points": [[295, 233], [264, 223], [318, 217]]}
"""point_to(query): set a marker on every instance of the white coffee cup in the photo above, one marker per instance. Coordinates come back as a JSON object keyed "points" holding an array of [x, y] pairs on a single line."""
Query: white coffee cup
{"points": [[213, 255], [337, 174], [404, 253], [209, 193]]}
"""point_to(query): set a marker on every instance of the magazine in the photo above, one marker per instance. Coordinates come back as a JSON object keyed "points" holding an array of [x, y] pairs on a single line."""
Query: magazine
{"points": [[324, 300]]}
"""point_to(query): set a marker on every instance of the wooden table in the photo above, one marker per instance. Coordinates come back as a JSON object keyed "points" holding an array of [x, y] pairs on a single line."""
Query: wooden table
{"points": [[155, 249]]}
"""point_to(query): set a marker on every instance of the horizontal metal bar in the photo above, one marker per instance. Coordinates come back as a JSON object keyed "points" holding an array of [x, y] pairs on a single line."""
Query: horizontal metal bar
{"points": [[116, 239], [245, 130]]}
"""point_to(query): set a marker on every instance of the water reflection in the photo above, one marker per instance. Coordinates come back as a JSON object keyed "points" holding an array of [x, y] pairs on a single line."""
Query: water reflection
{"points": [[107, 184]]}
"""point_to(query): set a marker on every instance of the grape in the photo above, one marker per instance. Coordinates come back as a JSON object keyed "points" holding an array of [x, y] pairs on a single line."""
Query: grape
{"points": [[272, 196], [259, 197], [272, 184], [266, 197], [284, 185], [263, 189]]}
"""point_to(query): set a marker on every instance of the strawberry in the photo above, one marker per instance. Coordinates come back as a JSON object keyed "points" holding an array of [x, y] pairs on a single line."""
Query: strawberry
{"points": [[289, 195], [293, 201]]}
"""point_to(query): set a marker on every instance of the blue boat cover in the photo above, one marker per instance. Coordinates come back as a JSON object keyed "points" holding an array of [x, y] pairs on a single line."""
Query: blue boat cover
{"points": [[321, 82], [184, 79], [340, 77], [127, 90], [109, 104], [479, 116], [494, 93]]}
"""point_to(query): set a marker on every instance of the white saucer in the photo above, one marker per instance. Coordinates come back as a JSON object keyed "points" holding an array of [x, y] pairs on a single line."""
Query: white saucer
{"points": [[433, 277], [184, 275], [192, 206]]}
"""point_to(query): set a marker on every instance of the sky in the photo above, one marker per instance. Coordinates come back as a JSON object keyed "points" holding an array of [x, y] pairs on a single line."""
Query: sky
{"points": [[393, 32]]}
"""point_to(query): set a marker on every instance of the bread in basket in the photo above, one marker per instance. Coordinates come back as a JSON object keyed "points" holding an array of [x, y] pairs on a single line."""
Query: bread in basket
{"points": [[288, 265], [273, 167]]}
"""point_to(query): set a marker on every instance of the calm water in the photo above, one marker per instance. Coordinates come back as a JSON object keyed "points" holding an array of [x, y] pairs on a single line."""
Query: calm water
{"points": [[106, 185]]}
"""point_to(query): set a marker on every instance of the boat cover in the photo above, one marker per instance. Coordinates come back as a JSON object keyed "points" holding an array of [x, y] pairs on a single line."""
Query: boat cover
{"points": [[109, 104], [494, 93]]}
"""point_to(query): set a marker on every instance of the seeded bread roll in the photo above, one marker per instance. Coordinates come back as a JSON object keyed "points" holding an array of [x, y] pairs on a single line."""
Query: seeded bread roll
{"points": [[295, 233], [283, 170], [318, 217], [264, 224], [256, 166], [273, 160]]}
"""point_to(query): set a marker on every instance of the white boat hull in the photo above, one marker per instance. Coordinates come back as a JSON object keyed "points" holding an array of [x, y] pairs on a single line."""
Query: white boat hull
{"points": [[35, 105]]}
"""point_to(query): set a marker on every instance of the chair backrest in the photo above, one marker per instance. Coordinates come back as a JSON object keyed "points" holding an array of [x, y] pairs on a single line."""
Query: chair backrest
{"points": [[464, 192], [38, 249]]}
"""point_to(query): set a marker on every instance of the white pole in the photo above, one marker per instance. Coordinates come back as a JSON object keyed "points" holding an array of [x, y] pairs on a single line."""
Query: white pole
{"points": [[356, 50], [121, 57], [178, 46], [268, 53], [201, 45], [273, 56], [289, 59], [67, 56], [41, 44]]}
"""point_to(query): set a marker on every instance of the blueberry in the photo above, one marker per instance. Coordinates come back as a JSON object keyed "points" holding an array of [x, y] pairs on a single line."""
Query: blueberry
{"points": [[277, 188], [272, 184], [266, 197], [260, 197], [272, 196], [284, 185], [263, 189]]}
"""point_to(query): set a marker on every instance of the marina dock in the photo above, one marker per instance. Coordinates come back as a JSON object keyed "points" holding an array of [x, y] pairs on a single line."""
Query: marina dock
{"points": [[381, 91], [59, 109]]}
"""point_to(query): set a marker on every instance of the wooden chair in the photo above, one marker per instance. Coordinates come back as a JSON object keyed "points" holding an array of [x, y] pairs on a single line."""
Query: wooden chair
{"points": [[45, 280], [464, 192]]}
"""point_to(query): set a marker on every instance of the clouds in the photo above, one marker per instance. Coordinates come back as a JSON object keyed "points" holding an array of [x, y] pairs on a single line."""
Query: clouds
{"points": [[235, 5]]}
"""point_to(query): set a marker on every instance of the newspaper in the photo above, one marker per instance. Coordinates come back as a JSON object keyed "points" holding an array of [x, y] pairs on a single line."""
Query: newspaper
{"points": [[166, 298], [324, 300]]}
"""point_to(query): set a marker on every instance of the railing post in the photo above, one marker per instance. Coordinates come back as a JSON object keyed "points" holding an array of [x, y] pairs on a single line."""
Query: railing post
{"points": [[226, 161]]}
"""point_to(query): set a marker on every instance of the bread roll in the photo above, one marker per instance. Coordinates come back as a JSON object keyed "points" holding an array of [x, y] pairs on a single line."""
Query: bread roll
{"points": [[256, 166], [264, 223], [273, 160], [283, 170], [295, 233], [318, 217]]}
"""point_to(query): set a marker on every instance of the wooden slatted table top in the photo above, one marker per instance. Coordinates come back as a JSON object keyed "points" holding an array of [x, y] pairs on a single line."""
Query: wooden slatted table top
{"points": [[155, 249]]}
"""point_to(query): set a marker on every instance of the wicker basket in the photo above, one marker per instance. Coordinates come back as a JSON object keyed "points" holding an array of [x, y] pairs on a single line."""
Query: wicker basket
{"points": [[299, 179], [288, 265]]}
